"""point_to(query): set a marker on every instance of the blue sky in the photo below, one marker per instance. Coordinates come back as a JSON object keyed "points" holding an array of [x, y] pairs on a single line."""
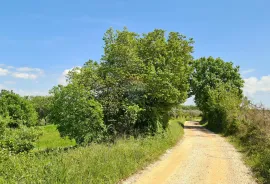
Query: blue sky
{"points": [[41, 40]]}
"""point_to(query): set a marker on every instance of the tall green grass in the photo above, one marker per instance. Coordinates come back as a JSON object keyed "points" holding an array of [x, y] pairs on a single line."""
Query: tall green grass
{"points": [[98, 163]]}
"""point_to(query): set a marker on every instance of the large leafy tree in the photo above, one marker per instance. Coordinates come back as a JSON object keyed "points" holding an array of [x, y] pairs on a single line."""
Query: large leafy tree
{"points": [[167, 63], [210, 73], [217, 87], [139, 79]]}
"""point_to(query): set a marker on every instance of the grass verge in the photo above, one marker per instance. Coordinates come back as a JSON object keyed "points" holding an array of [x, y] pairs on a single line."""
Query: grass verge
{"points": [[98, 163]]}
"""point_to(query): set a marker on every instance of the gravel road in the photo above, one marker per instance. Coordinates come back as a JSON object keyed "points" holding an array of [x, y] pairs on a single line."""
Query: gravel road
{"points": [[202, 157]]}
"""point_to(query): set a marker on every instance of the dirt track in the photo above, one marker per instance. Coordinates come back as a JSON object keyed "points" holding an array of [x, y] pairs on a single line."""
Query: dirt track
{"points": [[202, 157]]}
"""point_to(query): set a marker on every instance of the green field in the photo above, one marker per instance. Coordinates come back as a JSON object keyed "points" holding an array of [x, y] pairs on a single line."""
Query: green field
{"points": [[51, 139]]}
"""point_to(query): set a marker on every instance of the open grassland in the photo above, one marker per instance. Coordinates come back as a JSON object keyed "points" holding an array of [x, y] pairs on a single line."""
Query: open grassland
{"points": [[98, 163], [51, 139]]}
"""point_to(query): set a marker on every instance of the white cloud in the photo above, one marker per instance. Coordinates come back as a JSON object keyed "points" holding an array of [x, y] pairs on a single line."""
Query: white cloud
{"points": [[254, 85], [256, 89], [63, 78], [247, 71], [3, 72], [27, 69], [24, 75], [22, 72]]}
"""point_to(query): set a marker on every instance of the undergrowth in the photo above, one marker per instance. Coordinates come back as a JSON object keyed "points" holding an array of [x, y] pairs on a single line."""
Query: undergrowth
{"points": [[257, 159], [98, 163]]}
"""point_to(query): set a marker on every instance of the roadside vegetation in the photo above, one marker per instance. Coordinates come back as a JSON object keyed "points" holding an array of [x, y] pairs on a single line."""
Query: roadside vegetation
{"points": [[98, 163], [253, 138]]}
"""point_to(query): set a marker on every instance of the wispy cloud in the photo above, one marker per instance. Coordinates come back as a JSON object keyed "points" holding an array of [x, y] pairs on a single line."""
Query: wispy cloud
{"points": [[21, 72], [24, 75], [28, 69], [3, 72], [10, 67], [247, 71]]}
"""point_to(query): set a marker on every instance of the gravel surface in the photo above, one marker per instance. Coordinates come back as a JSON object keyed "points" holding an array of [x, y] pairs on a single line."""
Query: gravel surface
{"points": [[202, 157]]}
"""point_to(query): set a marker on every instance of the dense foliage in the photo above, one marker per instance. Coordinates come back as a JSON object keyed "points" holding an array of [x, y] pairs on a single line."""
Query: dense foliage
{"points": [[139, 79], [217, 87], [17, 115], [42, 107], [77, 114], [97, 164], [16, 140]]}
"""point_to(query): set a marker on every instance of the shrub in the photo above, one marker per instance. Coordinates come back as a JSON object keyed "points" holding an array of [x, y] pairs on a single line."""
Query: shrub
{"points": [[18, 139], [263, 165], [19, 110], [223, 110], [17, 115], [76, 114]]}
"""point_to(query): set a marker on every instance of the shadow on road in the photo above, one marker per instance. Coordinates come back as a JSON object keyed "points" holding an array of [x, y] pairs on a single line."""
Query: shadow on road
{"points": [[197, 127]]}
